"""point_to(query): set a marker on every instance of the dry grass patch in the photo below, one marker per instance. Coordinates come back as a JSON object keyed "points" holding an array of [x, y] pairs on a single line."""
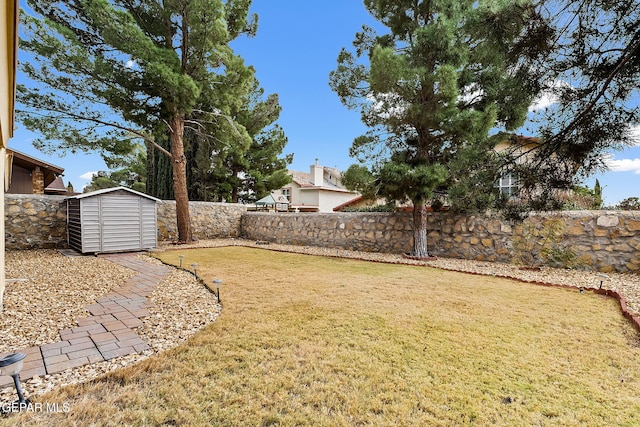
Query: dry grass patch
{"points": [[307, 340]]}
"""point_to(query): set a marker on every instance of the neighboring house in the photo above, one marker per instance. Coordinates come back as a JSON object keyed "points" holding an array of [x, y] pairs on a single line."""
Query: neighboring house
{"points": [[507, 184], [320, 190], [516, 145], [58, 188], [28, 175], [524, 147], [363, 203]]}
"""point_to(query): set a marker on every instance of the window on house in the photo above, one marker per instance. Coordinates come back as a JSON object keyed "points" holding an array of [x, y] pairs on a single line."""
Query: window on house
{"points": [[508, 185], [287, 193]]}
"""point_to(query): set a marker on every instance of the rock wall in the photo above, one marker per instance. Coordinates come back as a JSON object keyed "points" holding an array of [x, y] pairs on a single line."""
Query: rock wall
{"points": [[35, 221], [371, 232], [40, 221], [208, 220], [605, 241]]}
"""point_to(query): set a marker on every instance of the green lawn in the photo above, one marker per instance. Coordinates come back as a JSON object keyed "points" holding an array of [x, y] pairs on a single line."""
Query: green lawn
{"points": [[308, 340]]}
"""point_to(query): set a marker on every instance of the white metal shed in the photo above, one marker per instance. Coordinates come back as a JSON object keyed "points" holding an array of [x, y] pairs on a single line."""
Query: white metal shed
{"points": [[112, 220]]}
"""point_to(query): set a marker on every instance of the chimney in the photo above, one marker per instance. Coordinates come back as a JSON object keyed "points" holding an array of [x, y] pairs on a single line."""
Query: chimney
{"points": [[317, 173], [37, 179]]}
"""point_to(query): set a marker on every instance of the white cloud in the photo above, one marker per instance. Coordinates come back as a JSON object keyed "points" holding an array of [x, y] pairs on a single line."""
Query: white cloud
{"points": [[387, 105], [88, 175], [130, 63], [624, 165], [543, 101], [549, 96]]}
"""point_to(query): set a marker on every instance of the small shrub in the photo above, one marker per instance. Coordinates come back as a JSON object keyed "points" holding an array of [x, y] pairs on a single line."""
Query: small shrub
{"points": [[630, 204], [540, 243], [379, 208]]}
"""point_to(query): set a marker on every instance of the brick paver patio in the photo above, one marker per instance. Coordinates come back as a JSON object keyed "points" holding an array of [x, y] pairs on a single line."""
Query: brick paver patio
{"points": [[107, 332]]}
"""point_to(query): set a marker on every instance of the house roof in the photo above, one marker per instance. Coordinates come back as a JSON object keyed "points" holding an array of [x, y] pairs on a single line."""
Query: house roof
{"points": [[305, 180], [348, 203], [301, 178], [512, 139], [57, 186], [112, 190], [25, 161]]}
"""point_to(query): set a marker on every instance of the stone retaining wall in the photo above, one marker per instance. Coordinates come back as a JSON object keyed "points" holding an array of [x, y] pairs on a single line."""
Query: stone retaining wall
{"points": [[371, 232], [40, 221], [35, 221], [600, 240], [606, 241], [208, 220]]}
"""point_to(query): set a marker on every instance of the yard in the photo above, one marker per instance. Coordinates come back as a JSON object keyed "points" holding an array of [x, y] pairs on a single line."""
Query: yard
{"points": [[308, 340]]}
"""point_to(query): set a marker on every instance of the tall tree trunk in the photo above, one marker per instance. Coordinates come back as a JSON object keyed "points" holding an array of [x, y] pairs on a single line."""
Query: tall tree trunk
{"points": [[151, 187], [234, 190], [179, 166], [420, 230]]}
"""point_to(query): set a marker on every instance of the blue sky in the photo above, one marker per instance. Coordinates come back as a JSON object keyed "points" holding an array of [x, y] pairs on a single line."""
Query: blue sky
{"points": [[295, 49]]}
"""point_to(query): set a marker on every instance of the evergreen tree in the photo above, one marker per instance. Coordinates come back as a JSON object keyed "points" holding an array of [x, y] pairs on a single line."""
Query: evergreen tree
{"points": [[159, 171], [630, 204], [592, 80], [227, 168], [597, 195], [259, 169], [100, 181], [125, 171], [266, 170], [430, 90], [111, 71]]}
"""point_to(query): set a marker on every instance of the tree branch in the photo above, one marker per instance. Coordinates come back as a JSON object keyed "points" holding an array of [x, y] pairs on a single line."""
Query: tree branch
{"points": [[132, 131], [630, 51]]}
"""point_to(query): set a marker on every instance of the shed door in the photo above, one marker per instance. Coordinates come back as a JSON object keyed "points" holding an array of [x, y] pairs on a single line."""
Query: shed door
{"points": [[121, 222]]}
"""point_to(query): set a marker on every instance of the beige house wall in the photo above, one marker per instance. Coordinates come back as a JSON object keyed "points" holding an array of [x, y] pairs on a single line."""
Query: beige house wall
{"points": [[319, 188], [324, 199], [8, 64], [329, 200]]}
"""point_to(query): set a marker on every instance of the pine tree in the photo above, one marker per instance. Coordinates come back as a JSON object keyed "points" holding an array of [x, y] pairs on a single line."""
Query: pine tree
{"points": [[597, 195], [260, 168], [112, 71], [124, 171], [592, 78], [225, 167], [430, 90]]}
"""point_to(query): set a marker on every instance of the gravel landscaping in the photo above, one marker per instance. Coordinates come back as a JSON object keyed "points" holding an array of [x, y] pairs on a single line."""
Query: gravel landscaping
{"points": [[47, 291]]}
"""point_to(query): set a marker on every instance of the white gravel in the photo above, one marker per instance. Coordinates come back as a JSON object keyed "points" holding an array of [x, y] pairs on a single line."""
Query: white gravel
{"points": [[47, 291]]}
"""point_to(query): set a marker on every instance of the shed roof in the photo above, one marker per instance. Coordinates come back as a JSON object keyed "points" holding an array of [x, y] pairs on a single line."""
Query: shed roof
{"points": [[270, 200], [111, 190]]}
